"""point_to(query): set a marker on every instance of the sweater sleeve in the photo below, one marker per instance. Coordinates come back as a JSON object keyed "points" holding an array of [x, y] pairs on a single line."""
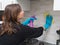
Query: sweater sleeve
{"points": [[32, 32]]}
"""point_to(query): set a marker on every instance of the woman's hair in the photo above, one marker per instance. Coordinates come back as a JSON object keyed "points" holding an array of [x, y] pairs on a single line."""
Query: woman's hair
{"points": [[10, 17]]}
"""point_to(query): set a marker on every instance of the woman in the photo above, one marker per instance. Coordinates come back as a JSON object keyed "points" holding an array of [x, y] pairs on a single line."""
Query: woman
{"points": [[12, 32]]}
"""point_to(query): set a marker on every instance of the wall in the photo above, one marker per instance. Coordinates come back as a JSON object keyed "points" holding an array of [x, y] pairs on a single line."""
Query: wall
{"points": [[38, 7]]}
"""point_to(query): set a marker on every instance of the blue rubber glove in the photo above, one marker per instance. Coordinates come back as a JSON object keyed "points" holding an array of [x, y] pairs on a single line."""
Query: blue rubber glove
{"points": [[27, 21], [48, 23]]}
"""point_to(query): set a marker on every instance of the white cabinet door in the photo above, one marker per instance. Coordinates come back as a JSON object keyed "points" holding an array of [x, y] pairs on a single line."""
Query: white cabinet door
{"points": [[0, 5], [56, 5], [4, 3], [25, 4]]}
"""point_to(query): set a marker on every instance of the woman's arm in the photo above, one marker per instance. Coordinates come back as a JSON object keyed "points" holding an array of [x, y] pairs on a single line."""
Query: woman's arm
{"points": [[32, 32]]}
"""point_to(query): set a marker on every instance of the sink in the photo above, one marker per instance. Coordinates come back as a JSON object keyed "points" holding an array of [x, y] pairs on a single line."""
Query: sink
{"points": [[58, 32]]}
